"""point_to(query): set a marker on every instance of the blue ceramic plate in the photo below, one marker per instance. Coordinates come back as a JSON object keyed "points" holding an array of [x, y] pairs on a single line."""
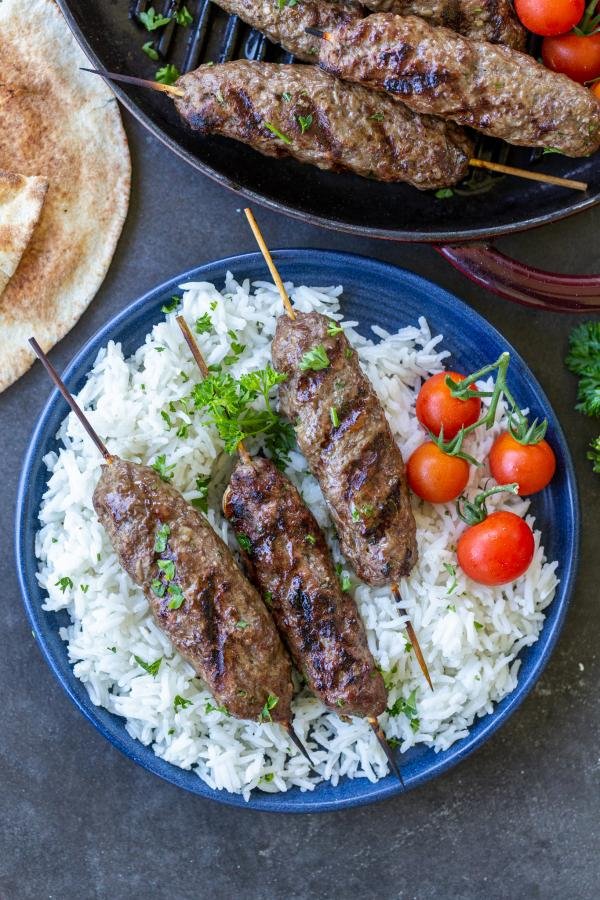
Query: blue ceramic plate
{"points": [[375, 293]]}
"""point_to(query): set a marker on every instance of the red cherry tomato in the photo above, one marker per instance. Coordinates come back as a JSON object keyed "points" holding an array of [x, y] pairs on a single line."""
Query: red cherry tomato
{"points": [[575, 55], [434, 475], [497, 550], [549, 17], [531, 466], [436, 407], [596, 89]]}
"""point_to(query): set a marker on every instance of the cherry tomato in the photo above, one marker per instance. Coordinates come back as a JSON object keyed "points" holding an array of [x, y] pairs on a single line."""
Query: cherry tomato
{"points": [[549, 17], [436, 407], [497, 550], [596, 89], [530, 465], [575, 55], [434, 475]]}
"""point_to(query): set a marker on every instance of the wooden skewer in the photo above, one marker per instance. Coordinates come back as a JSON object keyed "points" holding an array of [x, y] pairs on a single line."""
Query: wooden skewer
{"points": [[269, 261], [140, 82], [412, 636], [246, 458], [531, 176], [69, 398], [378, 732], [492, 166]]}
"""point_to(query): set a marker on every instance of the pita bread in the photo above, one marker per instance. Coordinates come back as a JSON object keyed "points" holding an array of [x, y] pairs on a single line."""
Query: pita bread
{"points": [[64, 125], [21, 200]]}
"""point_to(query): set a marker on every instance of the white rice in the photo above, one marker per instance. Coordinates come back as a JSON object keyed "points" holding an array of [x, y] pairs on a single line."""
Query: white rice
{"points": [[470, 634]]}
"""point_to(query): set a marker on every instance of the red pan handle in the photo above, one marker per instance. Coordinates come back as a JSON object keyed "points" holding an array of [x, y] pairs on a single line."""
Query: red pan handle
{"points": [[515, 281]]}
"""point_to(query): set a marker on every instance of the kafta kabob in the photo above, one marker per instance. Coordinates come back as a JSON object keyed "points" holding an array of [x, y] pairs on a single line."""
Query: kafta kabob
{"points": [[483, 20], [501, 92], [288, 560], [195, 591], [343, 432]]}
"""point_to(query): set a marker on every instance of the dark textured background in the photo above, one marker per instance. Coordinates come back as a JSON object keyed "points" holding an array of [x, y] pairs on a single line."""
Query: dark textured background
{"points": [[518, 819]]}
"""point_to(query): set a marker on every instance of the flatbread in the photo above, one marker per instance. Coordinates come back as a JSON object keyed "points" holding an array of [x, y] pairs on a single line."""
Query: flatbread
{"points": [[64, 125], [21, 201]]}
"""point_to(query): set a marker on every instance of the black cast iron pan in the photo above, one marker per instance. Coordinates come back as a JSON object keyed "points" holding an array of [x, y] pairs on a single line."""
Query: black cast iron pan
{"points": [[461, 226]]}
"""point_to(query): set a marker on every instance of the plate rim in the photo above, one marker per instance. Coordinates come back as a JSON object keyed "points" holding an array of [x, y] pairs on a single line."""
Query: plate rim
{"points": [[144, 755], [429, 237]]}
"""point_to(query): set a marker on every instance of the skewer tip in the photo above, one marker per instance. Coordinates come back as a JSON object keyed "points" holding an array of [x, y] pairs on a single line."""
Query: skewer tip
{"points": [[378, 732], [528, 175], [60, 385], [170, 89], [287, 303], [298, 744], [413, 637]]}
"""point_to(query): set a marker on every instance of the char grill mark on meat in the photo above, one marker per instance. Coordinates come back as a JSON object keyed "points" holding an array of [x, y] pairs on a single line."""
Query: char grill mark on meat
{"points": [[290, 563], [351, 130], [483, 20], [357, 463], [498, 91], [241, 665], [286, 25]]}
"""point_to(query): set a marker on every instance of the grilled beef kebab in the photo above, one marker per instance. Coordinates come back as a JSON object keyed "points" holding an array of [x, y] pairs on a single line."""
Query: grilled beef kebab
{"points": [[482, 20], [197, 595], [342, 431], [299, 111], [498, 91], [285, 24], [289, 561]]}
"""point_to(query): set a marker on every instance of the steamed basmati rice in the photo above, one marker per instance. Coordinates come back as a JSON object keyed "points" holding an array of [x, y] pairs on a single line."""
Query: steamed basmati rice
{"points": [[470, 634]]}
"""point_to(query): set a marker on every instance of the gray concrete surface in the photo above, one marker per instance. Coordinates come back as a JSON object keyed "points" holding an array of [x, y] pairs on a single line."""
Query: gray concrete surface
{"points": [[519, 819]]}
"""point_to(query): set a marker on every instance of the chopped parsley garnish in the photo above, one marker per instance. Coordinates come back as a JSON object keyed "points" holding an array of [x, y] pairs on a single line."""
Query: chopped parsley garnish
{"points": [[268, 777], [158, 588], [333, 328], [150, 668], [242, 625], [348, 352], [160, 465], [153, 20], [244, 542], [203, 324], [289, 3], [407, 647], [345, 582], [278, 134], [64, 583], [181, 702], [311, 539], [268, 598], [478, 626], [451, 570], [548, 150], [171, 731], [393, 742], [167, 74], [161, 539], [286, 97], [304, 122], [236, 348], [229, 403], [184, 17], [149, 50], [182, 431], [112, 649], [201, 502], [408, 707], [451, 607], [335, 419], [209, 707], [340, 702], [167, 418], [377, 117], [444, 193], [167, 567], [84, 588], [315, 359], [271, 703], [176, 595], [171, 304]]}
